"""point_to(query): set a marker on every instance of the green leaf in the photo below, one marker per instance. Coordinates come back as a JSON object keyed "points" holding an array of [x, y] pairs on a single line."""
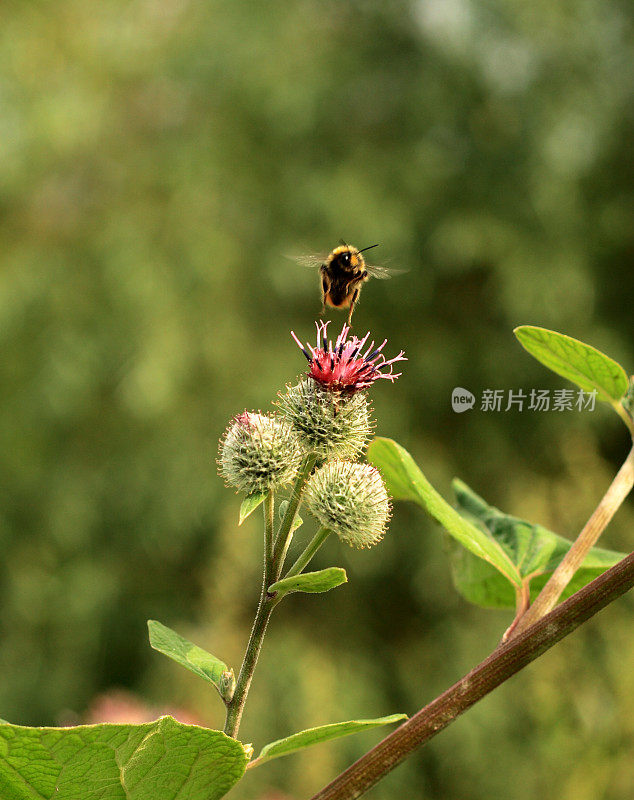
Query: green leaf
{"points": [[530, 547], [194, 658], [311, 736], [153, 761], [580, 363], [249, 504], [321, 581], [534, 549], [405, 481]]}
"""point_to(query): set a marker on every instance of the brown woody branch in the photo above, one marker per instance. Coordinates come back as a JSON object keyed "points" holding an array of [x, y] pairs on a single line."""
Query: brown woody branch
{"points": [[509, 658]]}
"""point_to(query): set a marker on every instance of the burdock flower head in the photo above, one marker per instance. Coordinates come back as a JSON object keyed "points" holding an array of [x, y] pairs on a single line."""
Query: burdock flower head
{"points": [[342, 366], [350, 500], [259, 452], [328, 409]]}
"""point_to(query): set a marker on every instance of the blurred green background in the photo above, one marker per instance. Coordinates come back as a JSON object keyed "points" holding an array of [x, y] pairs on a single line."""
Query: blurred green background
{"points": [[159, 159]]}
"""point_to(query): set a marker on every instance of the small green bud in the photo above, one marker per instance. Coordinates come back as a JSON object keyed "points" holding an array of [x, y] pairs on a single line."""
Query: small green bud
{"points": [[351, 500], [330, 424], [227, 685], [259, 452]]}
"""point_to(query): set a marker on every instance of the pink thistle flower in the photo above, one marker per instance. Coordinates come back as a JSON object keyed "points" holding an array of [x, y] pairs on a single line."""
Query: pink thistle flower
{"points": [[342, 367], [244, 419]]}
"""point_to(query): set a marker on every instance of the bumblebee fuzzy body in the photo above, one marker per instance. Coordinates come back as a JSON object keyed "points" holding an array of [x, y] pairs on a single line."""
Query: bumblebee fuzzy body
{"points": [[342, 275]]}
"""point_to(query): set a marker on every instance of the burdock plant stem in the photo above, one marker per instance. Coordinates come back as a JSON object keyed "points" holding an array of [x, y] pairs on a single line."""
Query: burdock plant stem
{"points": [[274, 555], [283, 535], [313, 546], [265, 607]]}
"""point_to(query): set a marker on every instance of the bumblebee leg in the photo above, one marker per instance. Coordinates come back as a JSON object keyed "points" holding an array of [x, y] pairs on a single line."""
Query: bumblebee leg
{"points": [[325, 288], [355, 297]]}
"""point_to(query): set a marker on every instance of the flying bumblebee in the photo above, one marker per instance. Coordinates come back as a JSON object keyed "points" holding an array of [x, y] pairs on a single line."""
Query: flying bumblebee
{"points": [[342, 273]]}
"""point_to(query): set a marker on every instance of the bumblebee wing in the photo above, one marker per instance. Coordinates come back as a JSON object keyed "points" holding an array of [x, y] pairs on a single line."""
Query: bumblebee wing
{"points": [[380, 272], [312, 260]]}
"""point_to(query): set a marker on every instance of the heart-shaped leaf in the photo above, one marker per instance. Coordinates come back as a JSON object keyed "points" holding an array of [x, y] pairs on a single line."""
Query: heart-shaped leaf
{"points": [[535, 550], [405, 481], [321, 581], [161, 759], [580, 363], [192, 657], [249, 504], [311, 736]]}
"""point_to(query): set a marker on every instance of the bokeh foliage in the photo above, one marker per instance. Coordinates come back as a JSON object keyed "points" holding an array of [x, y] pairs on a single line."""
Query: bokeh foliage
{"points": [[159, 159]]}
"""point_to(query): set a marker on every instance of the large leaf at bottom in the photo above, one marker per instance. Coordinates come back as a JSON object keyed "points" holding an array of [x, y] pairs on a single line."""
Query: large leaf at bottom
{"points": [[534, 549], [405, 481], [161, 759], [311, 736]]}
